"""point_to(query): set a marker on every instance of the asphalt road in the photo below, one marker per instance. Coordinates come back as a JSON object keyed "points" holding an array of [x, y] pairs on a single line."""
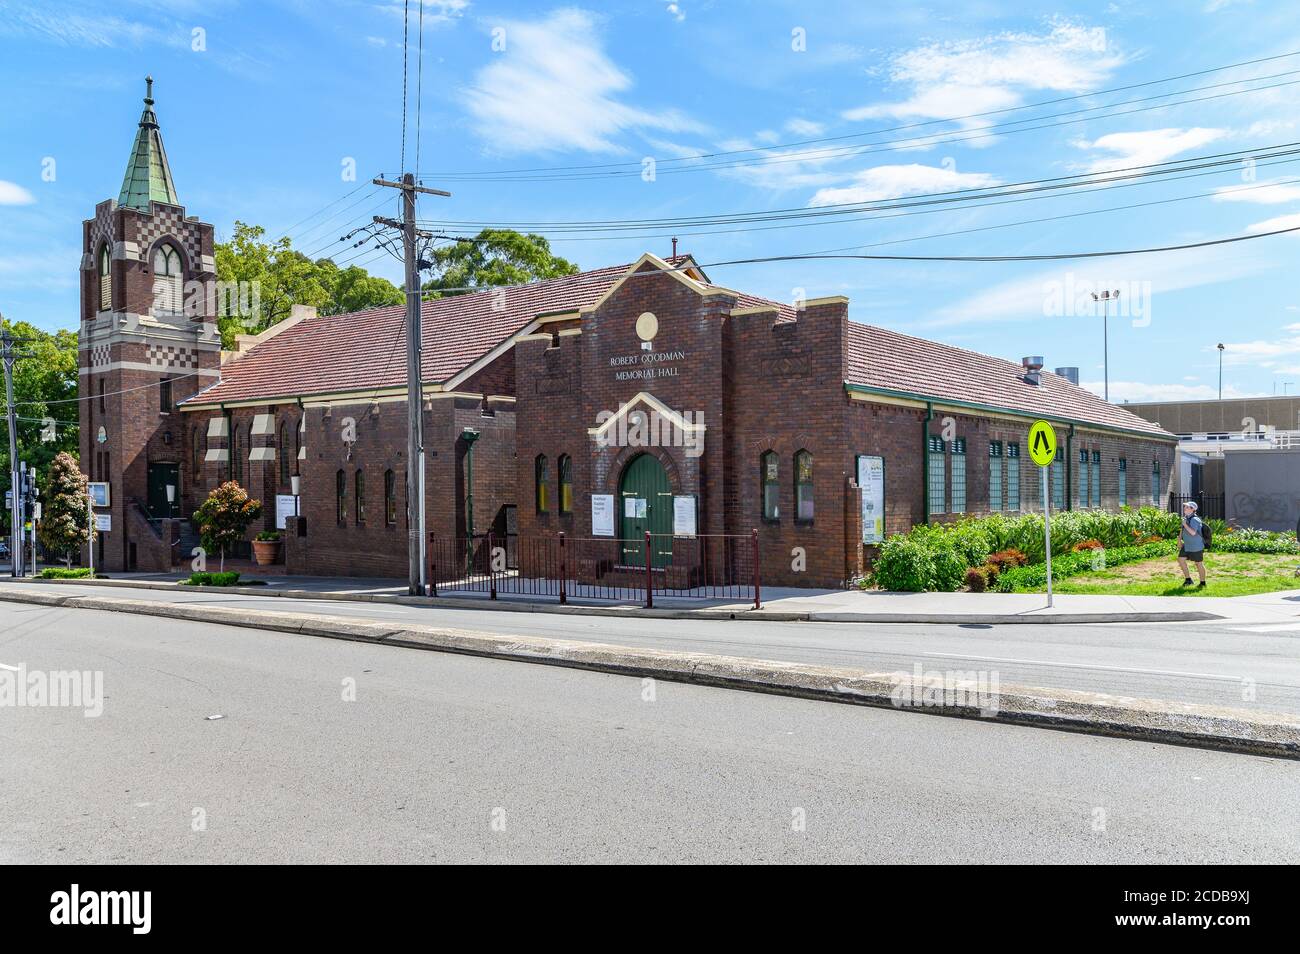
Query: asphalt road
{"points": [[452, 758], [1231, 665]]}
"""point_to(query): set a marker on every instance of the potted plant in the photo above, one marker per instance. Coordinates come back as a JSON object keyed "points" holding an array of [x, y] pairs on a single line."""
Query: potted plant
{"points": [[266, 548], [225, 516]]}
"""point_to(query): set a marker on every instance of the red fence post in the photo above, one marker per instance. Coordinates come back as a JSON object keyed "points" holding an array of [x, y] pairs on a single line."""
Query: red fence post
{"points": [[564, 572], [758, 597], [649, 580]]}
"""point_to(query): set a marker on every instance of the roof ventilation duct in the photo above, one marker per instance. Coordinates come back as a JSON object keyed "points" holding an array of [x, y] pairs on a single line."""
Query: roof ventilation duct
{"points": [[1033, 369]]}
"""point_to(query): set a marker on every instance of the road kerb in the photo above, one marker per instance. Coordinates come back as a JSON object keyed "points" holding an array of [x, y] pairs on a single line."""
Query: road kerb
{"points": [[1245, 731]]}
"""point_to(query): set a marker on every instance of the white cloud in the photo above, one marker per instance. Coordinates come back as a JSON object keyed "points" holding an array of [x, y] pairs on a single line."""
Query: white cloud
{"points": [[1276, 224], [1262, 193], [553, 88], [993, 72], [890, 182], [1035, 297], [804, 127], [1146, 147], [676, 12], [11, 193], [1251, 352]]}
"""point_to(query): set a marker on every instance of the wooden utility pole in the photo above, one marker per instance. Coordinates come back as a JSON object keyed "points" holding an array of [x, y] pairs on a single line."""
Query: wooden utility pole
{"points": [[416, 533]]}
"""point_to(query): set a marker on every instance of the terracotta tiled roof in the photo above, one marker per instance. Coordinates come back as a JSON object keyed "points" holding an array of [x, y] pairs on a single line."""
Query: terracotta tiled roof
{"points": [[365, 349], [890, 360]]}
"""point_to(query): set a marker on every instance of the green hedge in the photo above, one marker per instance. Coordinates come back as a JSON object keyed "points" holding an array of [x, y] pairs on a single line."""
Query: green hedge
{"points": [[229, 578], [936, 556], [63, 573]]}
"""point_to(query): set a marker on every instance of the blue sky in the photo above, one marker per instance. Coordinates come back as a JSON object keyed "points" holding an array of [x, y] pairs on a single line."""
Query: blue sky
{"points": [[265, 106]]}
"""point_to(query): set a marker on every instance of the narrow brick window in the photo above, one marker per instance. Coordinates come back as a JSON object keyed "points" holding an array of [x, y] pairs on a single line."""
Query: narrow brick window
{"points": [[103, 404], [995, 475], [936, 484], [959, 475], [1155, 483], [236, 457], [1096, 478], [1123, 482], [541, 481], [341, 498], [105, 280], [390, 499], [1081, 500], [1013, 477], [165, 396], [1057, 474], [566, 483], [803, 486], [196, 454], [769, 474], [359, 489], [284, 452]]}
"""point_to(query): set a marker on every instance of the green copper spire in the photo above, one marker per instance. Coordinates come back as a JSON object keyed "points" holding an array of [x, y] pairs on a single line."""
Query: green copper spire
{"points": [[148, 177]]}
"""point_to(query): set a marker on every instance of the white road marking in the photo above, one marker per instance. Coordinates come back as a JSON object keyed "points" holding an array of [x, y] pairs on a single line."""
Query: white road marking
{"points": [[1065, 665], [1269, 628]]}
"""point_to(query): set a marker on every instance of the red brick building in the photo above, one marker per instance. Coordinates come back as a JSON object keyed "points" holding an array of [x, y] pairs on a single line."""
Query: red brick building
{"points": [[620, 400]]}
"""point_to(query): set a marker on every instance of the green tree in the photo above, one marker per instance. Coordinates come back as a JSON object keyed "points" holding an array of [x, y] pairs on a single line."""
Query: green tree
{"points": [[225, 517], [45, 390], [285, 277], [65, 509], [495, 257]]}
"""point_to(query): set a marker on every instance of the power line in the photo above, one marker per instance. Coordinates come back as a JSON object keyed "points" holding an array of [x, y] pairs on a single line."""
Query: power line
{"points": [[909, 143], [406, 27], [1056, 183], [419, 85], [915, 125]]}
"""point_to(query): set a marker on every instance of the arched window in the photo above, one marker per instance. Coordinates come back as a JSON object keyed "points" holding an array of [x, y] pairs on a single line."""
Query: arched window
{"points": [[284, 452], [769, 472], [390, 499], [105, 280], [359, 489], [168, 280], [803, 486], [542, 480], [566, 484], [341, 498]]}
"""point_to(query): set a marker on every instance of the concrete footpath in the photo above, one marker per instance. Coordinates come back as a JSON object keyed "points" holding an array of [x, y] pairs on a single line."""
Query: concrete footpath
{"points": [[786, 604], [967, 695]]}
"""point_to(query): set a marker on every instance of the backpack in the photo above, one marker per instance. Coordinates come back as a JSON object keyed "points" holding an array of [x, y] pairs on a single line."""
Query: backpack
{"points": [[1207, 535]]}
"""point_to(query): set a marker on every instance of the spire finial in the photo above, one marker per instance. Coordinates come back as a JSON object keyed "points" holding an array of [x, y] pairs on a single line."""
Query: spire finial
{"points": [[148, 90]]}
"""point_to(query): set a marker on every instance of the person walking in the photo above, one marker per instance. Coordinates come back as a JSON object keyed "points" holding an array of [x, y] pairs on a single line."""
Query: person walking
{"points": [[1193, 545]]}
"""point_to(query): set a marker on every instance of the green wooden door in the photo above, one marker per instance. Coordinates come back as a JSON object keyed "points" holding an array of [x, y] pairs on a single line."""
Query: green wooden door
{"points": [[160, 476], [645, 503]]}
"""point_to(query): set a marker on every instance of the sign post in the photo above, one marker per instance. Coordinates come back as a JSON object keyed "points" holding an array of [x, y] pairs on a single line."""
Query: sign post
{"points": [[1042, 450]]}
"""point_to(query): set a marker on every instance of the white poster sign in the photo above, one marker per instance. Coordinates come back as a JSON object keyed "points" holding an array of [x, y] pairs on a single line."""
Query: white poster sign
{"points": [[99, 494], [634, 507], [684, 516], [602, 515], [285, 507], [104, 522], [871, 482]]}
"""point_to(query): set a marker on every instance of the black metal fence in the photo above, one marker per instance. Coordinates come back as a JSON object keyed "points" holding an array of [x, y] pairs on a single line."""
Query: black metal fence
{"points": [[1208, 506], [708, 566]]}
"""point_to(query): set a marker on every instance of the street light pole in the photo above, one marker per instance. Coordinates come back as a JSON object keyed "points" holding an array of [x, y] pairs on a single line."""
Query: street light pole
{"points": [[1220, 370], [1105, 298]]}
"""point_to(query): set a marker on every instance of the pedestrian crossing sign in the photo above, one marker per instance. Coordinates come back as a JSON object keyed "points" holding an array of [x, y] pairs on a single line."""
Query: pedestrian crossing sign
{"points": [[1042, 443]]}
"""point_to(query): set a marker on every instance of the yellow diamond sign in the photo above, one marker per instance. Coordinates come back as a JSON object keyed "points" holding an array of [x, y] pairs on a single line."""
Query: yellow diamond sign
{"points": [[1042, 443]]}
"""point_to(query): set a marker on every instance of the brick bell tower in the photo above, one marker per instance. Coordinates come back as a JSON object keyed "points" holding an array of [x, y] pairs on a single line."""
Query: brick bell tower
{"points": [[147, 340]]}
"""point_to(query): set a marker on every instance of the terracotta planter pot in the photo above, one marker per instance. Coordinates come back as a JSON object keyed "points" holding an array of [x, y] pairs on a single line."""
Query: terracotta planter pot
{"points": [[266, 552]]}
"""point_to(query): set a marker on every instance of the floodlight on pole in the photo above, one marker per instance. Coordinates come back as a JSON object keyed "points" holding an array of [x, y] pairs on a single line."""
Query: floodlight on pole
{"points": [[1106, 297]]}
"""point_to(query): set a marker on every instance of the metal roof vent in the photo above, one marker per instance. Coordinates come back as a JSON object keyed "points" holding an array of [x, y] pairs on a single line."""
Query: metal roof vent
{"points": [[1033, 366], [1070, 374]]}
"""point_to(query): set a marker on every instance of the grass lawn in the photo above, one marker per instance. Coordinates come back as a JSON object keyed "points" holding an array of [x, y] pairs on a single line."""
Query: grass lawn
{"points": [[1227, 574]]}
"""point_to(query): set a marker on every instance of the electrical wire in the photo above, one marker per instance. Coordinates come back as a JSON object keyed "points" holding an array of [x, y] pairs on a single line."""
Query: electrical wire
{"points": [[914, 125]]}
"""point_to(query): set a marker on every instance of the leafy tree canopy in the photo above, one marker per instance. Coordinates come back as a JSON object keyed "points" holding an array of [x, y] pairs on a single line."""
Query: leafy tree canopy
{"points": [[45, 374], [496, 257], [285, 277]]}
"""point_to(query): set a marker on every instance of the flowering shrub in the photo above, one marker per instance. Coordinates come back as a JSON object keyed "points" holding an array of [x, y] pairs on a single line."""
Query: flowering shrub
{"points": [[225, 516]]}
